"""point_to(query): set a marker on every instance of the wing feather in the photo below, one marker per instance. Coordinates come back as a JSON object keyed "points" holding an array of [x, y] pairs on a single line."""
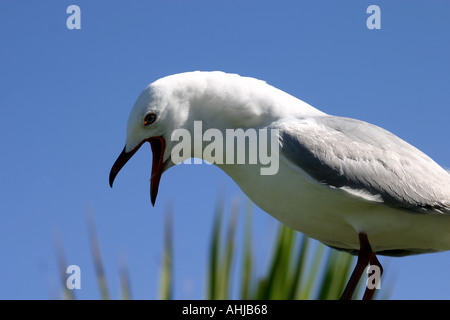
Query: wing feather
{"points": [[366, 160]]}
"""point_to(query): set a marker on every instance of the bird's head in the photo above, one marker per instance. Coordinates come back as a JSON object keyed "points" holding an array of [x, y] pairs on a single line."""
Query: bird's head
{"points": [[151, 120], [220, 101]]}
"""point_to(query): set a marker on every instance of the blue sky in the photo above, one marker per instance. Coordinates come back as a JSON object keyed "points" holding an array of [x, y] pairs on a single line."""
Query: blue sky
{"points": [[65, 96]]}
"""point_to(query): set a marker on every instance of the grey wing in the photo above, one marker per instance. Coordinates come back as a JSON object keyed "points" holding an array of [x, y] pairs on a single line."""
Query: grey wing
{"points": [[366, 160]]}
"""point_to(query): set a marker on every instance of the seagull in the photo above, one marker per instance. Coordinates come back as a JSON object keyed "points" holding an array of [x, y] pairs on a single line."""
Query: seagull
{"points": [[349, 184]]}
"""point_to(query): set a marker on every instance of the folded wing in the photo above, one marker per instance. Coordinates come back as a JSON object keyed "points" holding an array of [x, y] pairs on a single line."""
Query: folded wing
{"points": [[366, 161]]}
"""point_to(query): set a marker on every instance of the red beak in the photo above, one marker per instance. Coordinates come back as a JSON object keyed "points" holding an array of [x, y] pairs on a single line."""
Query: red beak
{"points": [[158, 145]]}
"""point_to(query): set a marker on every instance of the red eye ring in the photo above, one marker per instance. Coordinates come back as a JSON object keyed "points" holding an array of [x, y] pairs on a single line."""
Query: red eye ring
{"points": [[149, 119]]}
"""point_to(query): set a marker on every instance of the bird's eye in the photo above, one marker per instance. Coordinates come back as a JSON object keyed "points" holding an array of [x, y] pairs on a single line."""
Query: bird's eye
{"points": [[149, 119]]}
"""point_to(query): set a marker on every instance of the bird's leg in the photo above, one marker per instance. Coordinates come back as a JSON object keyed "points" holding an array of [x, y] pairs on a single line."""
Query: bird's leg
{"points": [[368, 294], [365, 256]]}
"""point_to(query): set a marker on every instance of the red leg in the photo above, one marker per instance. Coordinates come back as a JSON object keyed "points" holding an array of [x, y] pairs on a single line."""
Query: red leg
{"points": [[368, 294], [365, 256]]}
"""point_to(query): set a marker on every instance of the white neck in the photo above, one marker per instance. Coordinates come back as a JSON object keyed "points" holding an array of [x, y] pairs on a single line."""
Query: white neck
{"points": [[222, 100]]}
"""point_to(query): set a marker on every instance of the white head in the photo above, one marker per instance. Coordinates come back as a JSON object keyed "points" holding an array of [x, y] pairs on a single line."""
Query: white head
{"points": [[155, 114]]}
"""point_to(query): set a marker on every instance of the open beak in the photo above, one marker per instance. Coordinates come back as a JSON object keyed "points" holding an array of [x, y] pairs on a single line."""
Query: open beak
{"points": [[158, 145]]}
